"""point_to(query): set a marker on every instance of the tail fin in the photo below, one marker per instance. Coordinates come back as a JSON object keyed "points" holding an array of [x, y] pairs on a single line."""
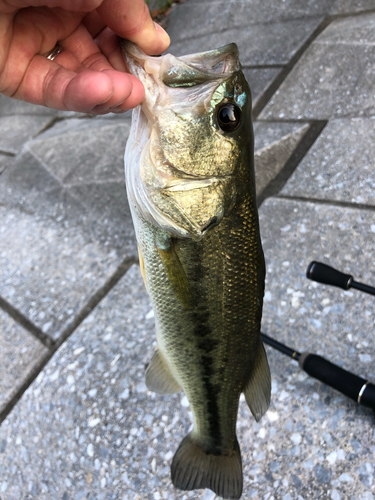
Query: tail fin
{"points": [[193, 468]]}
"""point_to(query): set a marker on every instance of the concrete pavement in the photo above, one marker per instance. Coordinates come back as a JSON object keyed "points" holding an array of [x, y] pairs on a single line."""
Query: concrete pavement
{"points": [[76, 325]]}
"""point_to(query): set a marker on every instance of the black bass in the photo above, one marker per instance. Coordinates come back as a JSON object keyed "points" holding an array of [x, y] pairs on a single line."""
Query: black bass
{"points": [[189, 165]]}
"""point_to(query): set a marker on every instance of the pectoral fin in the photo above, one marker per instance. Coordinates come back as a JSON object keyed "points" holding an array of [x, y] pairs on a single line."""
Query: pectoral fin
{"points": [[159, 377], [258, 389], [176, 273]]}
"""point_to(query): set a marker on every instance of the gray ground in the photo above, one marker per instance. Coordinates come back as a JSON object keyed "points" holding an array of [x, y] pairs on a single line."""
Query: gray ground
{"points": [[76, 325]]}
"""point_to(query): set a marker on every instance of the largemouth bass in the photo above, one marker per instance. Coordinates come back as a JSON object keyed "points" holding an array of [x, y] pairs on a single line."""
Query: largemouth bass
{"points": [[189, 165]]}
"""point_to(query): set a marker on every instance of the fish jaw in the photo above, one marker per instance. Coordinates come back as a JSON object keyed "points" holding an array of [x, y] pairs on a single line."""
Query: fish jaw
{"points": [[180, 168]]}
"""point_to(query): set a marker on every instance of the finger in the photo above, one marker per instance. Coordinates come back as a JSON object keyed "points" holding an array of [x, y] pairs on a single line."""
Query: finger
{"points": [[6, 22], [89, 53], [51, 85], [69, 5], [93, 23], [81, 44], [132, 93], [110, 45], [68, 61], [35, 31], [131, 20]]}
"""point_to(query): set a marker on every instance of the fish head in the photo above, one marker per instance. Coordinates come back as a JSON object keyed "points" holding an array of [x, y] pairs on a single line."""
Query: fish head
{"points": [[187, 139]]}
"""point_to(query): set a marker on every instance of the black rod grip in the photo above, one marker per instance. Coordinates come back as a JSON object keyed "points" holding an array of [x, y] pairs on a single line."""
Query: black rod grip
{"points": [[367, 398], [356, 388], [317, 271]]}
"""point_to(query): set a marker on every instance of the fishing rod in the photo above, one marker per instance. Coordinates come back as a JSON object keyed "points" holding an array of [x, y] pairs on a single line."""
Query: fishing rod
{"points": [[357, 388], [317, 271]]}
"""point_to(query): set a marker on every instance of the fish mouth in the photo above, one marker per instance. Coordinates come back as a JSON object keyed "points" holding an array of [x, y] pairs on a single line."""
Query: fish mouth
{"points": [[185, 74], [184, 71]]}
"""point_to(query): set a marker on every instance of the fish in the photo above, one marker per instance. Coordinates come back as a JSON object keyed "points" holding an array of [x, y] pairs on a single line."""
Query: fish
{"points": [[189, 170]]}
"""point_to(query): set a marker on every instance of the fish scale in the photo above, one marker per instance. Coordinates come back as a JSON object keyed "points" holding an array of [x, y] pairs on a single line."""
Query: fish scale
{"points": [[203, 267]]}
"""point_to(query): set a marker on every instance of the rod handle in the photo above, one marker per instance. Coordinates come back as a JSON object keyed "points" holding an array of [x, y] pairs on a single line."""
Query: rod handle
{"points": [[356, 388], [317, 271]]}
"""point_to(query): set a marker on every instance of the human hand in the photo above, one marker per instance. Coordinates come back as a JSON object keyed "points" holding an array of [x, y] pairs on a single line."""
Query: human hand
{"points": [[89, 73]]}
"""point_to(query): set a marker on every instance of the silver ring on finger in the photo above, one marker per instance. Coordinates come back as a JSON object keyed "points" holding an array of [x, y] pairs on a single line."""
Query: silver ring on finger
{"points": [[57, 49]]}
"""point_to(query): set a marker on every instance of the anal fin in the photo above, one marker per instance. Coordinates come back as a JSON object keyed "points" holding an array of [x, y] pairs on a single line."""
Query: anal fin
{"points": [[159, 377], [258, 389]]}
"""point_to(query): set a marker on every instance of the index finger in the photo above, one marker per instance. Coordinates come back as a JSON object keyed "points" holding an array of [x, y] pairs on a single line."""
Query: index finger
{"points": [[131, 20]]}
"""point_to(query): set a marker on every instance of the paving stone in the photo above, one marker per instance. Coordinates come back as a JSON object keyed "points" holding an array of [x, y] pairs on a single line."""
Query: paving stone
{"points": [[61, 242], [307, 315], [334, 78], [339, 166], [109, 216], [274, 144], [9, 106], [288, 9], [50, 270], [311, 317], [78, 151], [259, 80], [28, 187], [351, 6], [16, 130], [350, 30], [267, 133], [199, 18], [275, 42], [4, 161], [20, 354], [88, 425], [107, 432]]}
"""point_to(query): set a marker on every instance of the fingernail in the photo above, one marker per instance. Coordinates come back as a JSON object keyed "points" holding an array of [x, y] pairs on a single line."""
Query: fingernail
{"points": [[117, 105], [161, 31]]}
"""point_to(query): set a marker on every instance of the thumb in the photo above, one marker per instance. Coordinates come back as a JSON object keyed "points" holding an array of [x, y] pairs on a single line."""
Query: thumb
{"points": [[131, 20]]}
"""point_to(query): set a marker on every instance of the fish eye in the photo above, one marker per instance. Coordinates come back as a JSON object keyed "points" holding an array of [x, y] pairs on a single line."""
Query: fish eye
{"points": [[228, 117]]}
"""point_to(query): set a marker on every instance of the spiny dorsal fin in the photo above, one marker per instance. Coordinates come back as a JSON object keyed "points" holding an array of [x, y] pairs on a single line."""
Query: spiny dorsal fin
{"points": [[194, 468], [258, 389], [159, 377]]}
